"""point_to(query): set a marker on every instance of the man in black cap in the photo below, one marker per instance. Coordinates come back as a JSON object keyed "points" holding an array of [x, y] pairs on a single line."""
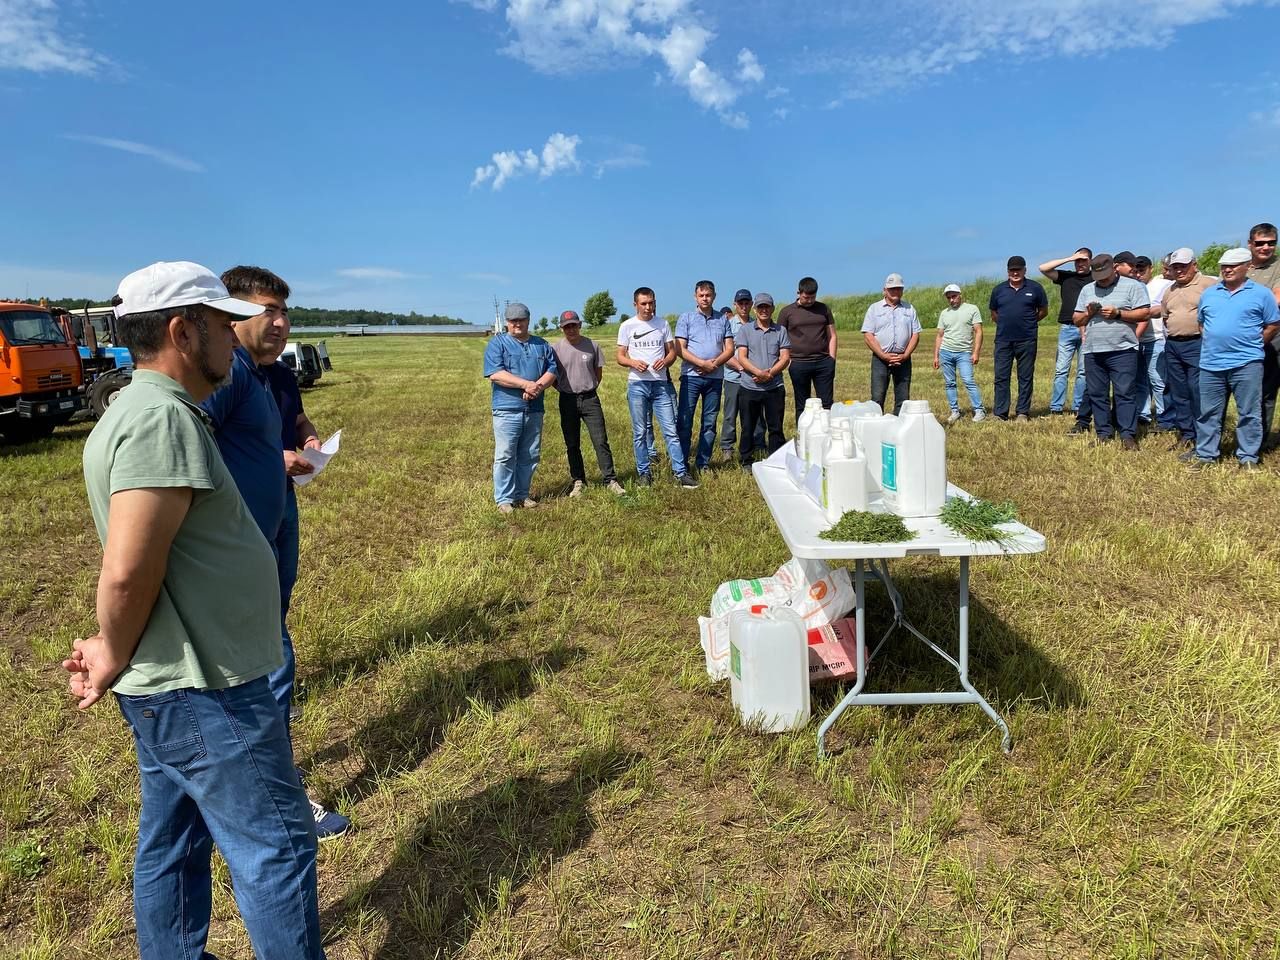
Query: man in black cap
{"points": [[1017, 306]]}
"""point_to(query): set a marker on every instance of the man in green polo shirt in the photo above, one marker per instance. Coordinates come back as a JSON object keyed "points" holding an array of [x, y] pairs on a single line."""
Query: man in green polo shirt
{"points": [[188, 610]]}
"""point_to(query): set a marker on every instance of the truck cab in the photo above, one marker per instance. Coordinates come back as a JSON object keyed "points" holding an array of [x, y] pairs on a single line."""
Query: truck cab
{"points": [[40, 375]]}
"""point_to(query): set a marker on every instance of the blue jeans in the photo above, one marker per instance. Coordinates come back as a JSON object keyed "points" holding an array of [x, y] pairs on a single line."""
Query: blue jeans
{"points": [[1114, 370], [952, 361], [1068, 347], [281, 680], [1007, 351], [517, 447], [1151, 380], [693, 386], [647, 399], [1245, 384], [1182, 370], [216, 768]]}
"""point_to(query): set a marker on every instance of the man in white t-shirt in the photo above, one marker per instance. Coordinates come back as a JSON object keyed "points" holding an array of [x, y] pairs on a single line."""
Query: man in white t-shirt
{"points": [[647, 349], [1151, 373]]}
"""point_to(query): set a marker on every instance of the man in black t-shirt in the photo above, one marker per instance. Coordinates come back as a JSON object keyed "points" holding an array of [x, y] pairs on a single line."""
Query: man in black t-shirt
{"points": [[812, 330], [1070, 283]]}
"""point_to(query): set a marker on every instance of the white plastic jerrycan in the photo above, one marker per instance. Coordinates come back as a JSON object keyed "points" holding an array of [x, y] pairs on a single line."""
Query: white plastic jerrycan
{"points": [[812, 406], [846, 480], [769, 668], [871, 432], [913, 458]]}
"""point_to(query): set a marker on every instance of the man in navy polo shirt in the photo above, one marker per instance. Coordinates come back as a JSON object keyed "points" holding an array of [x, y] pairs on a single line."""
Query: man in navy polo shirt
{"points": [[704, 342], [520, 367], [1237, 318], [1017, 306], [247, 428]]}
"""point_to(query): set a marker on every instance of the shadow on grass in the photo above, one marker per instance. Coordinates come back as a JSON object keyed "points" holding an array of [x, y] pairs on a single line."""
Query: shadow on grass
{"points": [[399, 741], [467, 859], [462, 623], [1004, 667]]}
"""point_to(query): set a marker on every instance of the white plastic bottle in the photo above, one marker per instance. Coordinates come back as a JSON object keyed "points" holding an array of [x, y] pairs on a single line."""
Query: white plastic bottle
{"points": [[846, 479], [913, 472], [872, 430], [807, 415], [817, 439], [769, 668]]}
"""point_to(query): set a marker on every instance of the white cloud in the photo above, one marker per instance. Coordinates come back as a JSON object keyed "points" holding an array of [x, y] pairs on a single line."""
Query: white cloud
{"points": [[559, 153], [776, 92], [32, 38], [943, 35], [375, 273], [168, 158], [1269, 118], [624, 156], [559, 36], [781, 112]]}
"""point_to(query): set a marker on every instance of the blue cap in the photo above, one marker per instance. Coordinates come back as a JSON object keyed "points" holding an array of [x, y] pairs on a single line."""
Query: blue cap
{"points": [[743, 294]]}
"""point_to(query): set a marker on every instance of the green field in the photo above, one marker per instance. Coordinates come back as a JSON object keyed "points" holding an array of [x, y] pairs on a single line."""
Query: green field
{"points": [[514, 711]]}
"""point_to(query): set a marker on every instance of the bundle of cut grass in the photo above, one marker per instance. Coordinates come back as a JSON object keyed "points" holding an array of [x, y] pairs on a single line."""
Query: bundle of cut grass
{"points": [[859, 526], [977, 519]]}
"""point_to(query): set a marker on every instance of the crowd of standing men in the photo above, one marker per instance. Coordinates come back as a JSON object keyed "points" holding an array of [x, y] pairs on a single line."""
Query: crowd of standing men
{"points": [[1163, 353]]}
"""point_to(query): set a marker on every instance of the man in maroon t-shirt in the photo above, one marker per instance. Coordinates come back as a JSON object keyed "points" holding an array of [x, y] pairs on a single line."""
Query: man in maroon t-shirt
{"points": [[812, 330]]}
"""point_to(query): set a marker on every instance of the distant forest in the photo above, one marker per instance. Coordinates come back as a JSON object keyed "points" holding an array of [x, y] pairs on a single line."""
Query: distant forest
{"points": [[317, 317]]}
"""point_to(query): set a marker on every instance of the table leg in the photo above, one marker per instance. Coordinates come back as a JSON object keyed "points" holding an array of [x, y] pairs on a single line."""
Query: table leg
{"points": [[1006, 741], [859, 652]]}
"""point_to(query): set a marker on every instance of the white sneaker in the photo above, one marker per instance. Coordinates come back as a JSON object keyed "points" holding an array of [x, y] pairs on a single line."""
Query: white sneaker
{"points": [[979, 415], [529, 503], [505, 508], [578, 487], [614, 487], [955, 415]]}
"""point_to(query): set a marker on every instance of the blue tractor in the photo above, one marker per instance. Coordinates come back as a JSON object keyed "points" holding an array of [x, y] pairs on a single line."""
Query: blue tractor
{"points": [[107, 367]]}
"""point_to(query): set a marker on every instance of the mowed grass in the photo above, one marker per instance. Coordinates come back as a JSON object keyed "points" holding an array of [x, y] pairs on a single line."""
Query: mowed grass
{"points": [[514, 711]]}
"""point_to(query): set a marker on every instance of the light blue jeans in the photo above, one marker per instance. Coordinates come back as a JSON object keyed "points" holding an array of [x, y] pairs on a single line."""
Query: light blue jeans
{"points": [[217, 768], [1245, 384], [517, 447], [1068, 347], [1151, 381], [649, 399], [961, 361]]}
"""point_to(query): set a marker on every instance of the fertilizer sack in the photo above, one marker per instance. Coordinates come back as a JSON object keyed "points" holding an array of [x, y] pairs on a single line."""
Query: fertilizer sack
{"points": [[811, 588]]}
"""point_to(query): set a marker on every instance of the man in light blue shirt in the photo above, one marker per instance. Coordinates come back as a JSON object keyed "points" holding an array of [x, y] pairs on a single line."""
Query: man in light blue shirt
{"points": [[892, 330], [1237, 317], [1113, 311], [704, 341], [520, 367]]}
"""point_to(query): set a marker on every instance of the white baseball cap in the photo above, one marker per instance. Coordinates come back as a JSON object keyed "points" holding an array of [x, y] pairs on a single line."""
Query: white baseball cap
{"points": [[893, 280], [952, 288], [1234, 257], [178, 283], [1182, 255]]}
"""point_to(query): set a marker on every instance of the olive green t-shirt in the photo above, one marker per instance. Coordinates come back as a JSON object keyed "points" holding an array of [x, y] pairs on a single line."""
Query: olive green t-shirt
{"points": [[956, 324], [216, 622]]}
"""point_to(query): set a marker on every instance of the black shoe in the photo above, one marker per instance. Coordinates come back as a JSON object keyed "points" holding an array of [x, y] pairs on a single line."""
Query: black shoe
{"points": [[1128, 443], [1078, 427], [644, 480], [1188, 456], [687, 482], [1182, 444]]}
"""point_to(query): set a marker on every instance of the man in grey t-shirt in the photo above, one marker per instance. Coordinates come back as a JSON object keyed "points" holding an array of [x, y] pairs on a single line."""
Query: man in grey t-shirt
{"points": [[581, 369], [189, 668], [1113, 309]]}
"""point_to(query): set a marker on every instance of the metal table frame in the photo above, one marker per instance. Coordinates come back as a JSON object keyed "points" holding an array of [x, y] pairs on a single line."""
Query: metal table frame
{"points": [[799, 520]]}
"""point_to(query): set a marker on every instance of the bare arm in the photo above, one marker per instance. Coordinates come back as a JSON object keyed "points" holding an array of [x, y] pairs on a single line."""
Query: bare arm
{"points": [[831, 341], [911, 346], [141, 525], [294, 464], [624, 360], [977, 342], [874, 345], [1050, 267]]}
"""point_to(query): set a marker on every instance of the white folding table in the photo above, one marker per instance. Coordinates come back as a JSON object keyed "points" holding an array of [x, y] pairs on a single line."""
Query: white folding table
{"points": [[800, 520]]}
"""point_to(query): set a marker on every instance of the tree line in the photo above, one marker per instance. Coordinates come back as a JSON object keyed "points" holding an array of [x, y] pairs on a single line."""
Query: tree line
{"points": [[309, 316]]}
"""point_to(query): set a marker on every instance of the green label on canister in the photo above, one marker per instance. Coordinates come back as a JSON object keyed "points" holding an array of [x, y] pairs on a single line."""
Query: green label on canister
{"points": [[889, 466], [735, 660]]}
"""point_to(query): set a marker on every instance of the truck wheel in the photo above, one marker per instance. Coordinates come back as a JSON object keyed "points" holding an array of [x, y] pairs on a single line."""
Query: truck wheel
{"points": [[104, 392]]}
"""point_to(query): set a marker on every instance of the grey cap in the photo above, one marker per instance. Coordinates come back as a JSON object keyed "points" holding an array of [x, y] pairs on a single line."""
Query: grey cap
{"points": [[893, 280], [763, 298], [952, 288], [1234, 257], [1183, 255], [517, 311]]}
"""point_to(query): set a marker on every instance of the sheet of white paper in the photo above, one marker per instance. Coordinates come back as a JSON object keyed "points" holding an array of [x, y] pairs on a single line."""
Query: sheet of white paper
{"points": [[318, 459]]}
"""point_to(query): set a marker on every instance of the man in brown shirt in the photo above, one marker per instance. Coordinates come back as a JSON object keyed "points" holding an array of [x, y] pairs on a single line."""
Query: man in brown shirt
{"points": [[812, 331], [1264, 270], [1182, 342]]}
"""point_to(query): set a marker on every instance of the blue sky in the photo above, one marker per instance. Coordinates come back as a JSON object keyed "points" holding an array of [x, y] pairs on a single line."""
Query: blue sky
{"points": [[433, 155]]}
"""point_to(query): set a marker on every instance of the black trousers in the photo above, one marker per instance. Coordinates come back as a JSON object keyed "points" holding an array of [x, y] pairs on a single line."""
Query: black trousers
{"points": [[757, 404], [882, 373], [576, 409], [1270, 386], [1007, 351], [818, 376]]}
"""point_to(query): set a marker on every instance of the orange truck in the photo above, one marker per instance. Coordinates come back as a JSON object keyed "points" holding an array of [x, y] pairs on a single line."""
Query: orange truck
{"points": [[41, 384]]}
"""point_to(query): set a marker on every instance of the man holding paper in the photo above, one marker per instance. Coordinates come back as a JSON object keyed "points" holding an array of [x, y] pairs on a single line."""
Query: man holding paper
{"points": [[248, 429]]}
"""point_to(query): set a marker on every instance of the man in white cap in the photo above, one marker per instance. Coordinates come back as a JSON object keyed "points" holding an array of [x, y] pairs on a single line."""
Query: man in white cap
{"points": [[188, 609], [520, 367], [1110, 308], [957, 348], [892, 330], [1180, 309], [1237, 317]]}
